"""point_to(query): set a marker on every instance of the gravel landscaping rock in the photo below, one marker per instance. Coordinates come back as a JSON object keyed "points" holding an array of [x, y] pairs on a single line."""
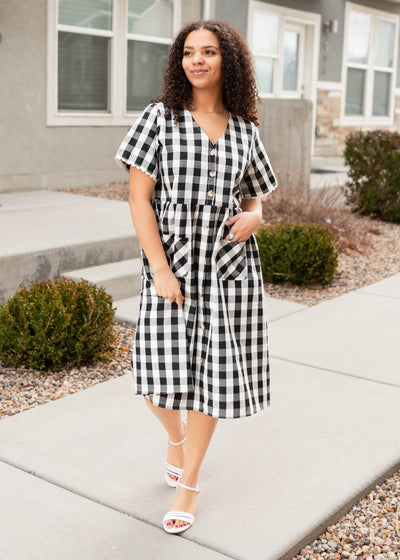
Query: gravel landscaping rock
{"points": [[22, 388], [369, 531]]}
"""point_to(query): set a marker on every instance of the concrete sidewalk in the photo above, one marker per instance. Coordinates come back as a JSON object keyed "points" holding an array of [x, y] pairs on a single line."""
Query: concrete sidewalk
{"points": [[82, 478]]}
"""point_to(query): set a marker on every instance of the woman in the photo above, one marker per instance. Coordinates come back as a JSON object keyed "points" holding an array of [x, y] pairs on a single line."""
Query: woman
{"points": [[197, 168]]}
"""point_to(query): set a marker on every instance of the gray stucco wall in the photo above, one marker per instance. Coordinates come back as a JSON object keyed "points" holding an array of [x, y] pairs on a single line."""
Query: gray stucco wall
{"points": [[33, 155], [330, 67], [286, 129]]}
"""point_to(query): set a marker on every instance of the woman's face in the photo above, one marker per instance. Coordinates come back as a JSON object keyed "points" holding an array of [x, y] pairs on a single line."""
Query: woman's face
{"points": [[201, 59]]}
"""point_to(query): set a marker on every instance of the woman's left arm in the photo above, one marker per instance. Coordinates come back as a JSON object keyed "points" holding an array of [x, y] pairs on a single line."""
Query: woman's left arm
{"points": [[244, 224]]}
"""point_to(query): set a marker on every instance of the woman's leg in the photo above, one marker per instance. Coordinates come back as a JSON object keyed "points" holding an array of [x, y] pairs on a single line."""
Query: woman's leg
{"points": [[200, 428], [172, 422]]}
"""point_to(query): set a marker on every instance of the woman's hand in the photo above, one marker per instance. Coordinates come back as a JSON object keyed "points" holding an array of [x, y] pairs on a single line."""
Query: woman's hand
{"points": [[243, 225], [167, 285]]}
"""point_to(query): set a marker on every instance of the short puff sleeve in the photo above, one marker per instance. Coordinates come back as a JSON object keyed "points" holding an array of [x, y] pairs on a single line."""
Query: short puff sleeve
{"points": [[139, 148], [258, 179]]}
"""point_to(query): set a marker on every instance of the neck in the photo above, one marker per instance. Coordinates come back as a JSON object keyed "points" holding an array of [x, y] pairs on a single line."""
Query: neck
{"points": [[207, 101]]}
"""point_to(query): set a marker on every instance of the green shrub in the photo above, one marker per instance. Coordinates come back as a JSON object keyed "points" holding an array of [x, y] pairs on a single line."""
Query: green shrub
{"points": [[299, 253], [374, 177], [57, 323]]}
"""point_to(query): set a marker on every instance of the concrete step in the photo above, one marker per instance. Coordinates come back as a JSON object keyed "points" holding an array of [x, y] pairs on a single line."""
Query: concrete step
{"points": [[128, 309], [121, 279], [43, 234]]}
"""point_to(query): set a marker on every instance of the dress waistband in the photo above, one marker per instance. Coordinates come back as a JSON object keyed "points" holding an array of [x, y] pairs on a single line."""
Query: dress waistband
{"points": [[159, 202]]}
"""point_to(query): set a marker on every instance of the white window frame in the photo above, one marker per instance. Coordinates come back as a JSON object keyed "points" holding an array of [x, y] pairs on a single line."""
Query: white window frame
{"points": [[117, 115], [287, 17], [368, 119]]}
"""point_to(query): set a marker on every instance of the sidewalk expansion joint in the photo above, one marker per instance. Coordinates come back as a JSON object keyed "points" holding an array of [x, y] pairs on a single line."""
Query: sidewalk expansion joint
{"points": [[80, 494], [365, 293], [289, 313], [354, 376]]}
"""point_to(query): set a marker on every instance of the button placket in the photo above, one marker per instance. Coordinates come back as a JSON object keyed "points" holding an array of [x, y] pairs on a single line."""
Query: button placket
{"points": [[212, 171]]}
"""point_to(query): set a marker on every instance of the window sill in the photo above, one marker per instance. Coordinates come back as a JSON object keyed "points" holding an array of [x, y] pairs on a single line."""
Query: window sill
{"points": [[94, 119], [364, 122]]}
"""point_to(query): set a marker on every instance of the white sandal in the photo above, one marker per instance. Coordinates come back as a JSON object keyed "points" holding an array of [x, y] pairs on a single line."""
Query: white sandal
{"points": [[180, 515], [171, 471]]}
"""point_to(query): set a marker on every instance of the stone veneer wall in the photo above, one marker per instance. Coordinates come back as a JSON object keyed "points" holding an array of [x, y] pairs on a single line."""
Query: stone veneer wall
{"points": [[330, 136]]}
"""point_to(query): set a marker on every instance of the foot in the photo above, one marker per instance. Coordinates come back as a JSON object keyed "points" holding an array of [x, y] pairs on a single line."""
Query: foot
{"points": [[185, 500], [176, 453]]}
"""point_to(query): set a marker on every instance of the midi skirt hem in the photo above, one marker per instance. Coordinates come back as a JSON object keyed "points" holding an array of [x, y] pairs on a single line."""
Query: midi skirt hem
{"points": [[174, 401]]}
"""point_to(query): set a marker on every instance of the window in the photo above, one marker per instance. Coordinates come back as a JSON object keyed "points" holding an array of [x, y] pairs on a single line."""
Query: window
{"points": [[284, 43], [370, 60], [265, 41], [150, 31], [106, 58], [85, 31]]}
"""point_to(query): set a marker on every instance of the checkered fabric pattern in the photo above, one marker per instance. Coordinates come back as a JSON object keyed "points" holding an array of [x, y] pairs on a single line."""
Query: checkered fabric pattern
{"points": [[211, 354]]}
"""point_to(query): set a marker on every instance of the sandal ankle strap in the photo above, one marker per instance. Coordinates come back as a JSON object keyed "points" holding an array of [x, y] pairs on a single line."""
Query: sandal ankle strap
{"points": [[178, 443], [184, 439], [197, 489]]}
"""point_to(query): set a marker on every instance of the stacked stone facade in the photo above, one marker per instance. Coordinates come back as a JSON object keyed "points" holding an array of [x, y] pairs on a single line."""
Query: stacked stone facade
{"points": [[330, 136]]}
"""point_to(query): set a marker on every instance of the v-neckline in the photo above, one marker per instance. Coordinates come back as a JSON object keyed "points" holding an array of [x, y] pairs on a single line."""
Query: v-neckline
{"points": [[205, 134]]}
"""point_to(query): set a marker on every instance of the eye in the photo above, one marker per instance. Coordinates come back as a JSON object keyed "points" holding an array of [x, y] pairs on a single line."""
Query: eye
{"points": [[210, 52], [186, 53]]}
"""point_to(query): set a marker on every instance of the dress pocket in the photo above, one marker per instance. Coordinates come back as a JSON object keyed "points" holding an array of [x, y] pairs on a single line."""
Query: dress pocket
{"points": [[231, 260], [179, 257], [176, 250]]}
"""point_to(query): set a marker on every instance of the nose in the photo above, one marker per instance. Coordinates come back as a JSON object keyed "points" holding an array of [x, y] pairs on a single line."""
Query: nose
{"points": [[198, 58]]}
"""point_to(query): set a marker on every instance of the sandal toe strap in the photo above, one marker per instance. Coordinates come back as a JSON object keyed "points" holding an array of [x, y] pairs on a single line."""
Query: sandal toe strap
{"points": [[172, 470], [178, 516]]}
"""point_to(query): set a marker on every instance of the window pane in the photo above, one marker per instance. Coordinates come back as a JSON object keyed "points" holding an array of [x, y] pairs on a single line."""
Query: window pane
{"points": [[384, 43], [150, 17], [144, 84], [83, 62], [358, 37], [265, 32], [355, 91], [96, 14], [265, 73], [381, 94], [290, 60]]}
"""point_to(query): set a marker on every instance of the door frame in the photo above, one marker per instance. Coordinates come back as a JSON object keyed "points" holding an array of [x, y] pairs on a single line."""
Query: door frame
{"points": [[312, 24]]}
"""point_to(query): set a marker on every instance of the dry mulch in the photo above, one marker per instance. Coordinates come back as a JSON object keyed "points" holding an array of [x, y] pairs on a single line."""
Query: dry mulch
{"points": [[369, 252]]}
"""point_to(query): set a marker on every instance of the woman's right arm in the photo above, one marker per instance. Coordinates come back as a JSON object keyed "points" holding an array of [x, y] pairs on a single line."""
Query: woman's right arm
{"points": [[141, 188]]}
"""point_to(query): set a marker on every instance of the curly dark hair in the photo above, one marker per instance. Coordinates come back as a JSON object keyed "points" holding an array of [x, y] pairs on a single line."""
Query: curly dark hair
{"points": [[239, 90]]}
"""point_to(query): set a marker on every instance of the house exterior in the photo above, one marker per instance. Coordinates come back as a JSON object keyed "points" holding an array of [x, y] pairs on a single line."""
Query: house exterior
{"points": [[76, 73]]}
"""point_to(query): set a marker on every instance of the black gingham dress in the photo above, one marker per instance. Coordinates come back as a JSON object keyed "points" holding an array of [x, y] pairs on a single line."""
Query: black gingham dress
{"points": [[211, 354]]}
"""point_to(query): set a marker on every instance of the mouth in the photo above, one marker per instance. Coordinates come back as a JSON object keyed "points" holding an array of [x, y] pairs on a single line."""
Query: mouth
{"points": [[198, 73]]}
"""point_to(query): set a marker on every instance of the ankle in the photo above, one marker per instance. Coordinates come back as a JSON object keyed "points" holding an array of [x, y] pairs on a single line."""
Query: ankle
{"points": [[190, 479]]}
